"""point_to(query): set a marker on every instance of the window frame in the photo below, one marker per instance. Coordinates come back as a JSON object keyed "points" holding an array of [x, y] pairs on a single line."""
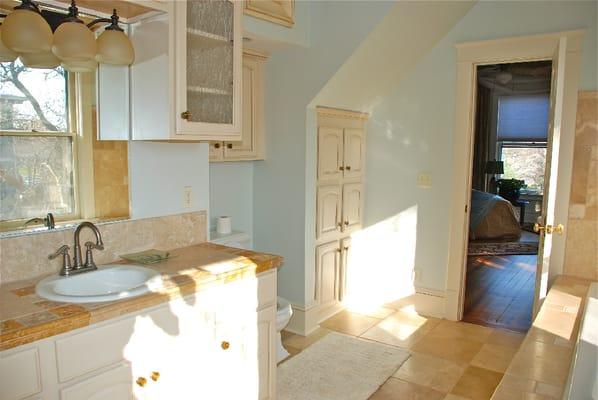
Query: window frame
{"points": [[79, 101]]}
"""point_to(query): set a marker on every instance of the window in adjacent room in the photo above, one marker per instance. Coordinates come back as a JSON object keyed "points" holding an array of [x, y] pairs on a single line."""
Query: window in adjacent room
{"points": [[522, 136], [38, 149]]}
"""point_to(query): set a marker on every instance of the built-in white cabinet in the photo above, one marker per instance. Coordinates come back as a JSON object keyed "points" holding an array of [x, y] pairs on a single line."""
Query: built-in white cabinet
{"points": [[339, 202], [186, 81], [216, 344], [251, 146]]}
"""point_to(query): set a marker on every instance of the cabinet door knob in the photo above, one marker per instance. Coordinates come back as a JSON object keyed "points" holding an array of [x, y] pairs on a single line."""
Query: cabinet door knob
{"points": [[229, 145], [340, 225], [141, 381], [348, 168], [155, 376], [225, 345], [186, 115], [216, 145], [341, 168], [347, 223]]}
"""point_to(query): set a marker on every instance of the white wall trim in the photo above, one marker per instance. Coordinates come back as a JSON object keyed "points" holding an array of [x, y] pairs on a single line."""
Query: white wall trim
{"points": [[469, 55]]}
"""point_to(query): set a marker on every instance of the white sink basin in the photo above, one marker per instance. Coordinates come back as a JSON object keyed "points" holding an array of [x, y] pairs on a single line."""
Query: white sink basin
{"points": [[111, 282]]}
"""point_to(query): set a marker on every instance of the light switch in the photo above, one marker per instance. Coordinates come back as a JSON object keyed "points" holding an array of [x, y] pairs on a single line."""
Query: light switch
{"points": [[424, 180]]}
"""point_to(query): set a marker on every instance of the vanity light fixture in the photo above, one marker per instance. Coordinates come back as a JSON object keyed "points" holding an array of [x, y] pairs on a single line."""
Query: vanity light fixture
{"points": [[73, 40], [24, 30], [6, 54], [73, 44]]}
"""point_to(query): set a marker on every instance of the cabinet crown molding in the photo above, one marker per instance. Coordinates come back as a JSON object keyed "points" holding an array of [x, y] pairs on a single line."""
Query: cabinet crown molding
{"points": [[338, 112]]}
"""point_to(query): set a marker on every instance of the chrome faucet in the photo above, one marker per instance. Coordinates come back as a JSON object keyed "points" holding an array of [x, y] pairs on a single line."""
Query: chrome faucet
{"points": [[78, 265]]}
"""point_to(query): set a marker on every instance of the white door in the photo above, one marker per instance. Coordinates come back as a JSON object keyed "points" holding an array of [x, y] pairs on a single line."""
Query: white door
{"points": [[327, 273], [547, 225], [330, 162], [328, 222], [352, 203], [353, 153]]}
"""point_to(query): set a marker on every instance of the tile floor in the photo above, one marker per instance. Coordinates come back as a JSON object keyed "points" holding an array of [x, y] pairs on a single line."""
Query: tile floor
{"points": [[449, 360]]}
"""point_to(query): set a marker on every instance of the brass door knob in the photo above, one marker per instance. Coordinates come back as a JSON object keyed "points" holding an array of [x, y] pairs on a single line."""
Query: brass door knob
{"points": [[538, 227], [216, 145], [225, 345], [549, 229], [155, 376], [186, 115], [141, 381], [559, 229]]}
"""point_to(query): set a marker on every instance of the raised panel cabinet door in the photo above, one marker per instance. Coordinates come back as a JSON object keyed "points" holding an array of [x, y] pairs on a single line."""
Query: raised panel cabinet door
{"points": [[354, 153], [330, 144], [246, 148], [352, 206], [115, 384], [266, 332], [328, 222], [344, 268], [327, 273], [208, 50]]}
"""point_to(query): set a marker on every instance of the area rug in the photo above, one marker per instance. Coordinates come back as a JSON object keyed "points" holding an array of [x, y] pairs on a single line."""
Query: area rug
{"points": [[502, 248], [338, 367]]}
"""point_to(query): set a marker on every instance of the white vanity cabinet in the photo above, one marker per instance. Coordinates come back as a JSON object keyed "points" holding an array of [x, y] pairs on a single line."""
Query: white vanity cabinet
{"points": [[216, 344], [186, 81]]}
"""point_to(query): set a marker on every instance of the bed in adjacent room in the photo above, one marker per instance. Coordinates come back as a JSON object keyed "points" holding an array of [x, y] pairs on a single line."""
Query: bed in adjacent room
{"points": [[492, 217]]}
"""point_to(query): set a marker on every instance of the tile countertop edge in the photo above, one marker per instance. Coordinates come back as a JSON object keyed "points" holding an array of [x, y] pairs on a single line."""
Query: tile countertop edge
{"points": [[182, 273]]}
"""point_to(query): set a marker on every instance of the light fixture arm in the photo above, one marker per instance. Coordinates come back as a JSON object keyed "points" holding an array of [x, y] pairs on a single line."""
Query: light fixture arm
{"points": [[28, 5], [113, 20]]}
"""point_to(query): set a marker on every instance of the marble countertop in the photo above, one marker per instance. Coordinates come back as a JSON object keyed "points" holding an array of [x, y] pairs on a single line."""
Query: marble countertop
{"points": [[25, 317]]}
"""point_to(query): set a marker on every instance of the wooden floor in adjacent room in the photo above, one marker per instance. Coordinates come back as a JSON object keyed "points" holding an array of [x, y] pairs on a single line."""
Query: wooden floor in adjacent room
{"points": [[500, 291]]}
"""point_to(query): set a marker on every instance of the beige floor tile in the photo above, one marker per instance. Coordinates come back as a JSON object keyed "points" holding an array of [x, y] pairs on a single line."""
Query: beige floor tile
{"points": [[506, 338], [477, 383], [429, 371], [396, 389], [380, 312], [402, 329], [494, 357], [461, 351], [462, 330], [301, 342], [552, 391], [539, 369], [451, 396], [513, 387], [349, 323]]}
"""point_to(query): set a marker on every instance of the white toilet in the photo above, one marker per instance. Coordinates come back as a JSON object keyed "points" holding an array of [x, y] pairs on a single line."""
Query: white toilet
{"points": [[283, 316]]}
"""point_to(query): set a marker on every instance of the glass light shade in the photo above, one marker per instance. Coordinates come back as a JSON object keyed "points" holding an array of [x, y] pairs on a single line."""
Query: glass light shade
{"points": [[6, 54], [25, 31], [80, 66], [74, 41], [114, 47], [40, 60]]}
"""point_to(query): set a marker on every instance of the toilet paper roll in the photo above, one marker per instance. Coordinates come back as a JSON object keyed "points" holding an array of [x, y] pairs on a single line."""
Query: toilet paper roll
{"points": [[224, 225]]}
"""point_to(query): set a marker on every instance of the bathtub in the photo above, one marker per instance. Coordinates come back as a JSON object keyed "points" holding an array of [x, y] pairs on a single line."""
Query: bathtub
{"points": [[583, 377]]}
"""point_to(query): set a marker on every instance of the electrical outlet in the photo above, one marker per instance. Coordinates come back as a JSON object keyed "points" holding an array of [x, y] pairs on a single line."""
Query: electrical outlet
{"points": [[424, 180], [187, 197]]}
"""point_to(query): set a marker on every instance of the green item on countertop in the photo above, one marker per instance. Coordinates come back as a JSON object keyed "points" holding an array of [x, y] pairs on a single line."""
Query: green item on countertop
{"points": [[151, 256]]}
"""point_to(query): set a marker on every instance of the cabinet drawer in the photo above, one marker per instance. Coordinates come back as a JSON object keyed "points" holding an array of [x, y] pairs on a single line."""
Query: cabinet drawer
{"points": [[92, 349], [22, 371]]}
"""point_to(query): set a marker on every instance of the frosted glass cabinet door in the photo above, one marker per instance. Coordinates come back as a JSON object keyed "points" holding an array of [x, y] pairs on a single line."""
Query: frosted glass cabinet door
{"points": [[208, 68]]}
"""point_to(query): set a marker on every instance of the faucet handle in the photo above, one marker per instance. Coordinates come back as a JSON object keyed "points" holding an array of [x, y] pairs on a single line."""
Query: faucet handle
{"points": [[92, 245], [62, 251], [66, 259]]}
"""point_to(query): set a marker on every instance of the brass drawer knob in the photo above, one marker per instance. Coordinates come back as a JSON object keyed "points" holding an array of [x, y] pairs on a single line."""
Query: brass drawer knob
{"points": [[186, 115], [225, 345], [217, 145], [141, 381], [155, 376], [229, 145], [347, 223], [348, 168]]}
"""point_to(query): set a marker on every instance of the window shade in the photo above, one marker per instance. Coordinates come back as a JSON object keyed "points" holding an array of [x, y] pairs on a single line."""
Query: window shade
{"points": [[523, 118]]}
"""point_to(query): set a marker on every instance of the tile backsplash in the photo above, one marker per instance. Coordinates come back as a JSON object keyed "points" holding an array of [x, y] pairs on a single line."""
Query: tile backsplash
{"points": [[26, 257]]}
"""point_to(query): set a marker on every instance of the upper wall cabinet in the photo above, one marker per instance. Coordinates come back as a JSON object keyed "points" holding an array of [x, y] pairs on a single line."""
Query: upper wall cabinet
{"points": [[187, 76], [277, 11]]}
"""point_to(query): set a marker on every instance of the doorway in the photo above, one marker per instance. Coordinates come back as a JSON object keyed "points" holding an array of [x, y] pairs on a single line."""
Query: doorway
{"points": [[507, 178]]}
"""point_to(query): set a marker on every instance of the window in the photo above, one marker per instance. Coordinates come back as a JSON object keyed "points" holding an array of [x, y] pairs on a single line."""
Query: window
{"points": [[37, 144], [526, 163]]}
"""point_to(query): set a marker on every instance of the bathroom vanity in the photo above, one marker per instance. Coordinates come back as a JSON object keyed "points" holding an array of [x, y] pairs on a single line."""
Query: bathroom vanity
{"points": [[207, 332]]}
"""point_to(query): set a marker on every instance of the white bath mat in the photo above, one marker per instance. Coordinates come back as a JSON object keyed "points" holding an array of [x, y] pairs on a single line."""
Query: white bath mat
{"points": [[338, 367]]}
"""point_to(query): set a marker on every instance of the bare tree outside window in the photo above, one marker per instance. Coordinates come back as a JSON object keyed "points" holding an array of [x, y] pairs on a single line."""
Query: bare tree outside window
{"points": [[36, 144]]}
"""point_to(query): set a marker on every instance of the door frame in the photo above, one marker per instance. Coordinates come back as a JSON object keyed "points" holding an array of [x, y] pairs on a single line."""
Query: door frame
{"points": [[498, 51]]}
